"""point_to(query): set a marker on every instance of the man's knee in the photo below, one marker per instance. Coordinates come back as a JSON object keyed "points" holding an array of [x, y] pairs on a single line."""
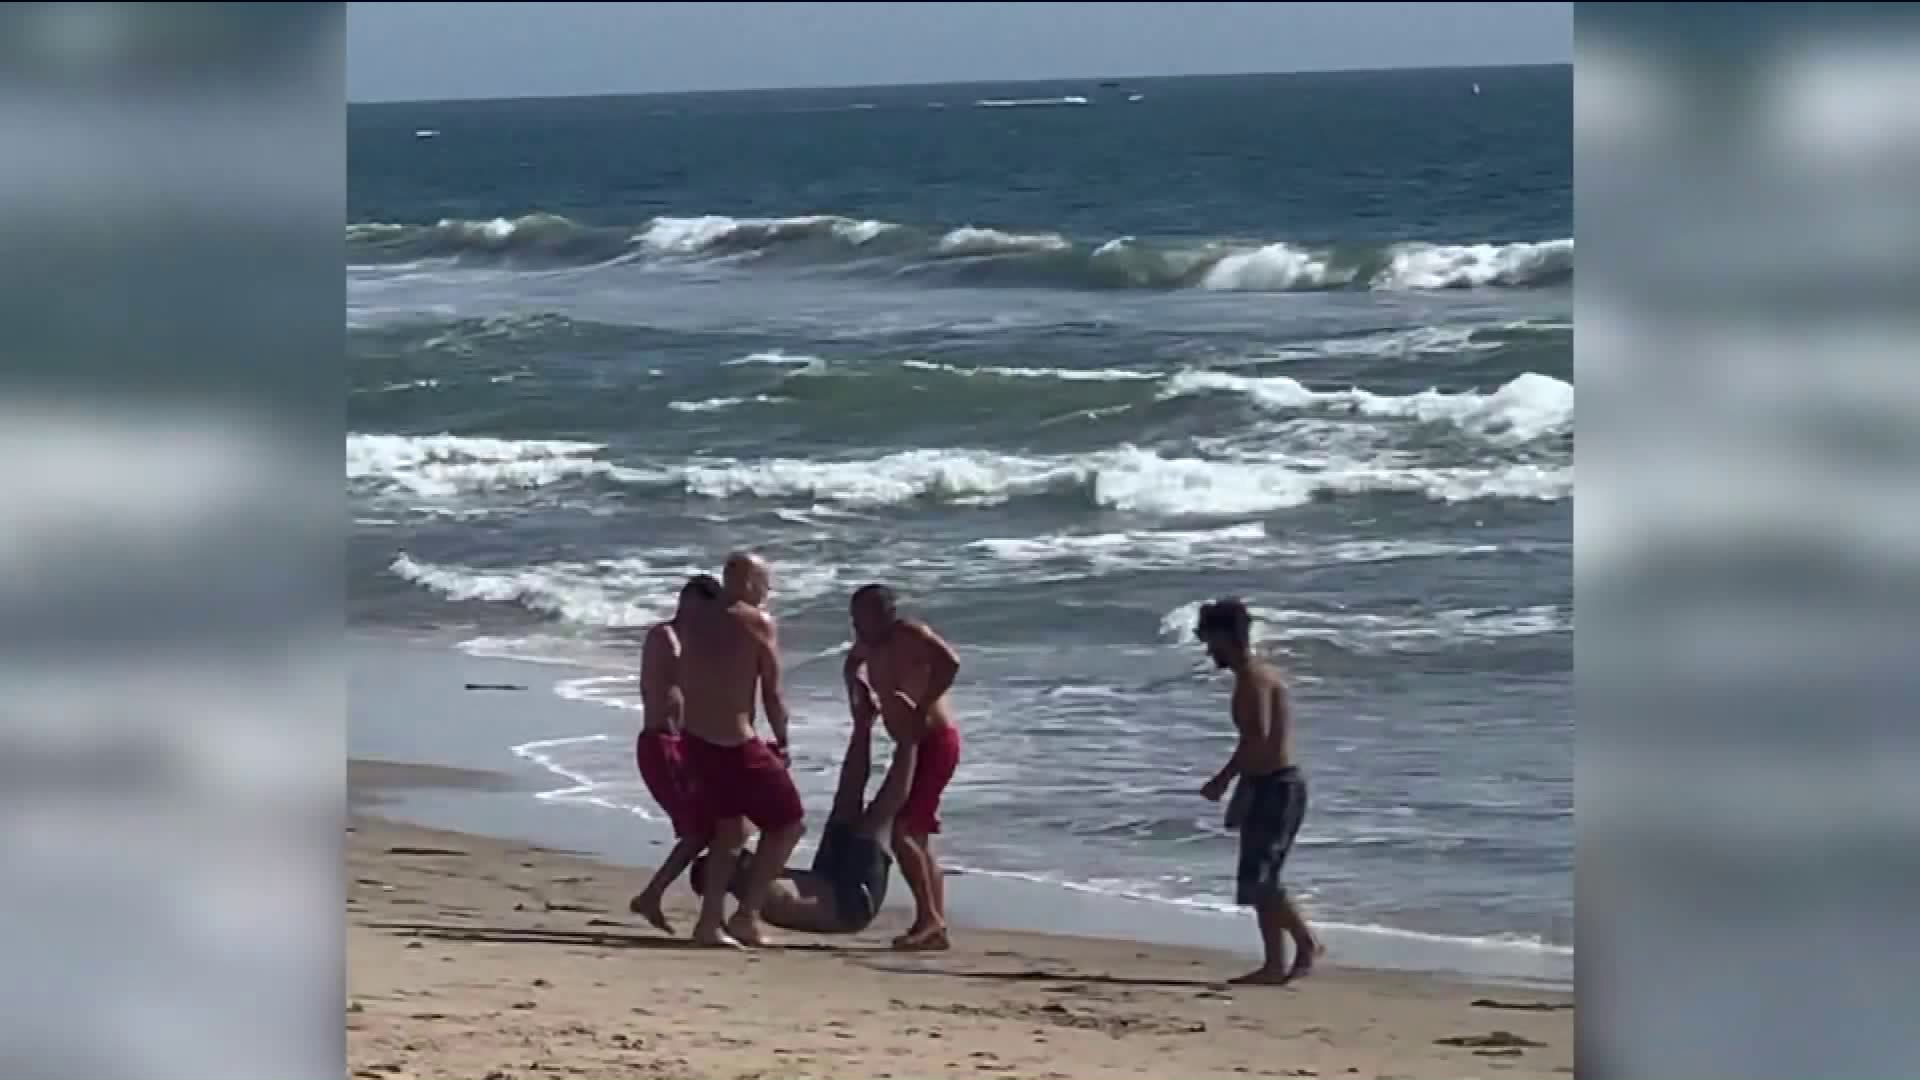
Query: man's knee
{"points": [[729, 835], [904, 840]]}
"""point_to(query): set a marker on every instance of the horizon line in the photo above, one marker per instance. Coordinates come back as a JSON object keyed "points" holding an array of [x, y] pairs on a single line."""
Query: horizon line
{"points": [[606, 95]]}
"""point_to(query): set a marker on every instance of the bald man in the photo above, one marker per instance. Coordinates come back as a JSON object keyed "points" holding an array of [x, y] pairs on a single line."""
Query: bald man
{"points": [[741, 778]]}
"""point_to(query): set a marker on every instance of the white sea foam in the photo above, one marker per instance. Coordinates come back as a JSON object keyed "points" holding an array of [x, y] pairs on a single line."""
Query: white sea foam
{"points": [[701, 235], [1124, 479], [1061, 374], [1452, 266], [1130, 546], [1419, 341], [1383, 633], [1031, 103], [969, 240], [439, 466], [720, 403], [1526, 408], [1273, 268], [606, 593], [800, 362]]}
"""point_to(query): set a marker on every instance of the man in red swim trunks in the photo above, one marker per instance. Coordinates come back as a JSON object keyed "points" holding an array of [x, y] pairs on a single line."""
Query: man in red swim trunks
{"points": [[741, 778], [902, 670], [660, 751]]}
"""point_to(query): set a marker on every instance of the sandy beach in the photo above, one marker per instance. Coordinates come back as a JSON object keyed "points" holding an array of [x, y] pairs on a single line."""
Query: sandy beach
{"points": [[481, 959]]}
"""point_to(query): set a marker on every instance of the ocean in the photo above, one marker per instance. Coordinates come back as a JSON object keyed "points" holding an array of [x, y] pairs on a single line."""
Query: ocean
{"points": [[1058, 362]]}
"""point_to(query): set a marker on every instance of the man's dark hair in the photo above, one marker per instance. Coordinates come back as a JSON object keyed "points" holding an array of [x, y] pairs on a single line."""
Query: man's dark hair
{"points": [[704, 586], [880, 596], [1228, 615]]}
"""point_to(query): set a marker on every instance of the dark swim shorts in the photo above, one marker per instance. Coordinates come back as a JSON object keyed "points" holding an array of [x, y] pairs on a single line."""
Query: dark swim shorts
{"points": [[857, 867], [1275, 804]]}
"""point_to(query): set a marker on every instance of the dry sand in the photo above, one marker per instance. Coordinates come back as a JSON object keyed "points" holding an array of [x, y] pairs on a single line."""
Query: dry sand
{"points": [[479, 959]]}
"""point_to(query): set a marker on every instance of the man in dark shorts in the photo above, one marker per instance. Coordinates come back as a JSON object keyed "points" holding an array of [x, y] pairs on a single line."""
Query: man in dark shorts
{"points": [[1271, 797], [847, 883]]}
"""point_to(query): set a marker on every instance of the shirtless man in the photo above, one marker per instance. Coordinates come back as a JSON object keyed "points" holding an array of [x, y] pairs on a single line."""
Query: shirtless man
{"points": [[843, 891], [660, 751], [1271, 797], [902, 670], [741, 777]]}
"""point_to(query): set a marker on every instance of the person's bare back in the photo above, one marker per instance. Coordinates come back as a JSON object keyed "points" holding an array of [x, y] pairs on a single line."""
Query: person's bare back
{"points": [[660, 697]]}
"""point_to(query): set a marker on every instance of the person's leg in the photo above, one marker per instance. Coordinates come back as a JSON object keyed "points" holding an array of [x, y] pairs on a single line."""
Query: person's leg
{"points": [[769, 862], [909, 850], [936, 890], [1269, 915], [648, 905], [1306, 944], [773, 805], [729, 836]]}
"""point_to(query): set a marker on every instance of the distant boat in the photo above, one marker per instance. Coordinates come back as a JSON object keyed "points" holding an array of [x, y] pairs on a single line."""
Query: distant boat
{"points": [[1136, 97], [1476, 88], [426, 133]]}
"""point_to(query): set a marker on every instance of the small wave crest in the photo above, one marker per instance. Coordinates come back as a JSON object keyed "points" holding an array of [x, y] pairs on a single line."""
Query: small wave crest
{"points": [[1374, 633], [441, 466], [613, 594], [1032, 103], [1528, 407], [1124, 479], [969, 240]]}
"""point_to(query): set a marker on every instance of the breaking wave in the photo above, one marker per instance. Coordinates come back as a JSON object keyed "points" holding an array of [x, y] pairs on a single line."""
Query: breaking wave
{"points": [[1127, 478], [977, 254], [1528, 407]]}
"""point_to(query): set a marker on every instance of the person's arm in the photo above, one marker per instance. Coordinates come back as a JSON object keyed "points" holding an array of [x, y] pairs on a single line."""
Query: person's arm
{"points": [[660, 680], [893, 790], [943, 666], [856, 768], [772, 697], [861, 700], [1250, 717]]}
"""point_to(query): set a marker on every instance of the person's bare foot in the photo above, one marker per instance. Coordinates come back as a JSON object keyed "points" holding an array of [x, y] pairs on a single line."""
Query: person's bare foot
{"points": [[648, 908], [1303, 960], [748, 931], [714, 937], [934, 940], [930, 938], [1265, 976]]}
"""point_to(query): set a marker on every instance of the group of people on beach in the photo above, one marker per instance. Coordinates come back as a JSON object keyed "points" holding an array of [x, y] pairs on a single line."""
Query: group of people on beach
{"points": [[704, 671]]}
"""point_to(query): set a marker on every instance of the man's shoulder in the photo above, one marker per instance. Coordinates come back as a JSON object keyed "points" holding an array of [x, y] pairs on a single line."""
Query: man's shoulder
{"points": [[752, 619]]}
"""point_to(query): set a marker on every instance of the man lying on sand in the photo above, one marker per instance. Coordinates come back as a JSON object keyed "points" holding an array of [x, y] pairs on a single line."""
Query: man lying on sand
{"points": [[1271, 797], [724, 660], [660, 751], [843, 891], [901, 669]]}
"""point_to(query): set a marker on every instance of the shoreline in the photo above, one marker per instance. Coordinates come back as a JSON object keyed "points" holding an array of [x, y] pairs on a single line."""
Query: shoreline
{"points": [[476, 956], [409, 705]]}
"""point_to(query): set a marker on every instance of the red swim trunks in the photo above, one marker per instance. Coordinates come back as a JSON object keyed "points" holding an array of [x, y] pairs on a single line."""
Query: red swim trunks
{"points": [[662, 758], [748, 781], [933, 768]]}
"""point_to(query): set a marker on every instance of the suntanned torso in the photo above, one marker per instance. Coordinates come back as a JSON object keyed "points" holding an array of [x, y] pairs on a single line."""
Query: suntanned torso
{"points": [[1265, 723], [721, 660], [660, 695], [903, 664]]}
